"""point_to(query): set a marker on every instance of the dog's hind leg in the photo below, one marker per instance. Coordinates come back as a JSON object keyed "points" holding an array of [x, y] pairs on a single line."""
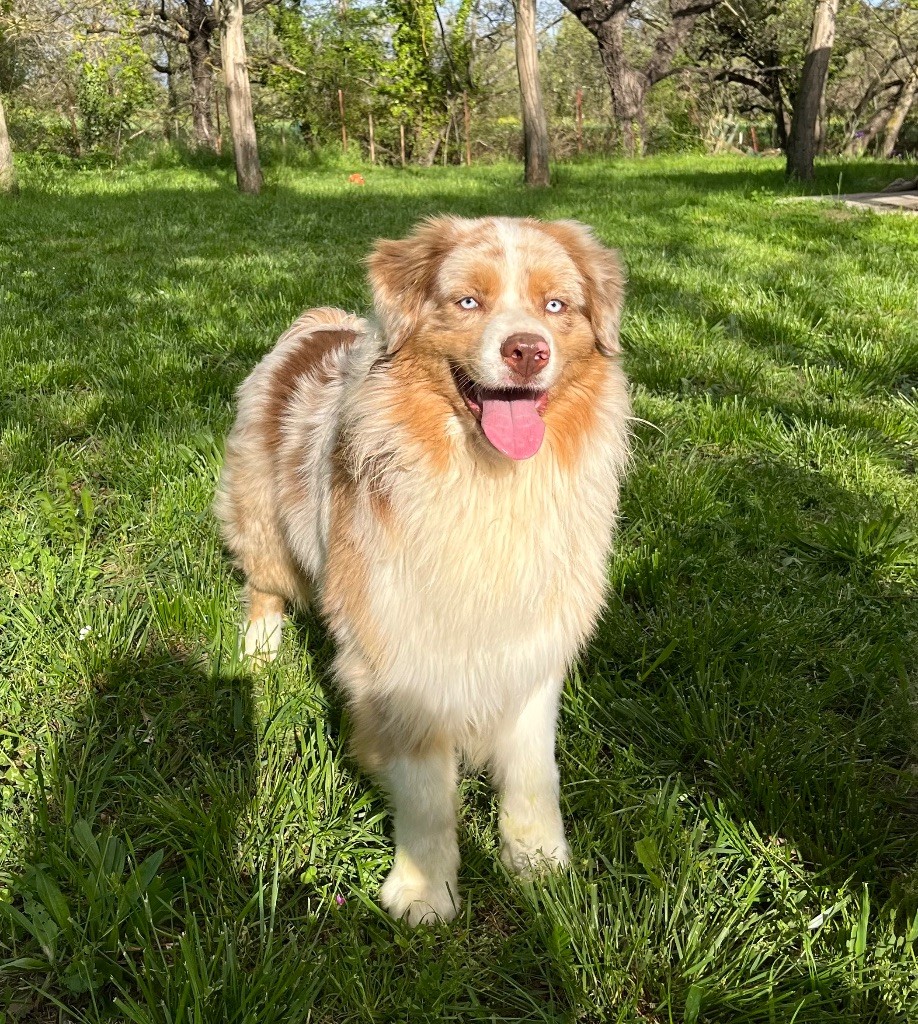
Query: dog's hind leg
{"points": [[251, 529], [264, 624], [273, 583]]}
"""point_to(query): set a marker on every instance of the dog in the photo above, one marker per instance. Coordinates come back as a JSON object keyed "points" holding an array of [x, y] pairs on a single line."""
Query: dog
{"points": [[443, 484]]}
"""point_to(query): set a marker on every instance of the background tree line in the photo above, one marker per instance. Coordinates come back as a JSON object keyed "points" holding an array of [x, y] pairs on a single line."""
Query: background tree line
{"points": [[417, 81]]}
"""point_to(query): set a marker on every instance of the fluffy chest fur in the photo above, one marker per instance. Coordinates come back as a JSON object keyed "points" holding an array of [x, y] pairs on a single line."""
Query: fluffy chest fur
{"points": [[461, 583]]}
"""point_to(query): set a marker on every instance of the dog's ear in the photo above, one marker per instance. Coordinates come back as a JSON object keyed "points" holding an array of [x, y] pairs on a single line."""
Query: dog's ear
{"points": [[603, 279], [402, 274]]}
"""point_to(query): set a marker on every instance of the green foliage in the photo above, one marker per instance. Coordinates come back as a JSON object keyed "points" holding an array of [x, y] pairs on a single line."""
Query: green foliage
{"points": [[331, 48], [568, 61], [114, 83], [413, 81], [430, 66], [38, 130]]}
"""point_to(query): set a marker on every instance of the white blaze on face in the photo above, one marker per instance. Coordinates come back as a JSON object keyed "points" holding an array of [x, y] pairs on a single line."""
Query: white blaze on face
{"points": [[513, 312]]}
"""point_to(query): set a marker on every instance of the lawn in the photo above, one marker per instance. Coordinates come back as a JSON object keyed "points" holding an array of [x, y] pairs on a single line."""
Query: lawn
{"points": [[181, 841]]}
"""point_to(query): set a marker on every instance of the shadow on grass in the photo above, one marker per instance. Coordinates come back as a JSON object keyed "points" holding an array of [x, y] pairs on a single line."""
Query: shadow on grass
{"points": [[158, 872], [115, 278], [757, 647], [141, 794]]}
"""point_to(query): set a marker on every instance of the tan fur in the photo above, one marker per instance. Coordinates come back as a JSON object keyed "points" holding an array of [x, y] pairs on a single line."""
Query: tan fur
{"points": [[304, 360], [459, 584], [261, 603]]}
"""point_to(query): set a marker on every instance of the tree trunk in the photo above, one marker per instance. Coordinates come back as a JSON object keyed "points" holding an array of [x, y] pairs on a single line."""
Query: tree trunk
{"points": [[535, 127], [858, 144], [170, 123], [900, 112], [202, 89], [7, 167], [805, 127], [239, 98], [627, 85], [782, 128]]}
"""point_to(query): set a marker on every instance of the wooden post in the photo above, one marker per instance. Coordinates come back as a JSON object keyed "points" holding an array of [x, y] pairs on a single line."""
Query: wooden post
{"points": [[372, 143], [468, 129], [579, 119], [218, 141], [401, 133], [343, 125], [755, 139]]}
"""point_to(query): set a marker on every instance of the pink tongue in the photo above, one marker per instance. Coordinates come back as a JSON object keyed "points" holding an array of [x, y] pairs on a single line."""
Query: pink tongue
{"points": [[513, 425]]}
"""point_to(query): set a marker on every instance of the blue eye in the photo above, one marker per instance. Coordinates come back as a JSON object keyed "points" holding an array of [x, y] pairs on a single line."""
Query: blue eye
{"points": [[555, 306], [468, 303]]}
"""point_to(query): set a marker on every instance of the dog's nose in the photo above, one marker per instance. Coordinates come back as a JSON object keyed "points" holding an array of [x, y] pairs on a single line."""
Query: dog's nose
{"points": [[526, 354]]}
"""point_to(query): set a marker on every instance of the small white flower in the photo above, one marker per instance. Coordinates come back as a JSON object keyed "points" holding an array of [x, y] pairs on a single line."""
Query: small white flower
{"points": [[85, 631]]}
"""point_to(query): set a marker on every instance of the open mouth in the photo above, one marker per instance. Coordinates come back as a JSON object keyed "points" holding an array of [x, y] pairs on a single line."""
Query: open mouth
{"points": [[510, 418]]}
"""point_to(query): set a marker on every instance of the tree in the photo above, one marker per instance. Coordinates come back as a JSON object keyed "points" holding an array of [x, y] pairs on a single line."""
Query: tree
{"points": [[113, 86], [192, 23], [430, 69], [629, 83], [807, 125], [313, 53], [7, 167], [239, 97], [900, 112], [535, 127], [748, 44]]}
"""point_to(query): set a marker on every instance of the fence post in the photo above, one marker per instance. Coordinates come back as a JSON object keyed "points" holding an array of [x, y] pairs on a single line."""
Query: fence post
{"points": [[219, 138], [468, 129], [579, 119], [343, 126], [372, 142], [401, 133]]}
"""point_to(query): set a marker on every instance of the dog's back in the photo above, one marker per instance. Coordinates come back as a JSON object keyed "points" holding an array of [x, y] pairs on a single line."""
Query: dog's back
{"points": [[277, 464]]}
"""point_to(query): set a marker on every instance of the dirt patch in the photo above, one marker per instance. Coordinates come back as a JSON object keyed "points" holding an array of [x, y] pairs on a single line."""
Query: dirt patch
{"points": [[881, 202]]}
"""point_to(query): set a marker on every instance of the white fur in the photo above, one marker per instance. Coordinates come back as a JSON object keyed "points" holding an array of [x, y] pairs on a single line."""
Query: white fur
{"points": [[523, 764], [261, 638], [422, 884]]}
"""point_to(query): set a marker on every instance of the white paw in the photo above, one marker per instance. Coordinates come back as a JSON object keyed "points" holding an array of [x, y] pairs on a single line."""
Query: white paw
{"points": [[532, 851], [418, 901], [261, 638]]}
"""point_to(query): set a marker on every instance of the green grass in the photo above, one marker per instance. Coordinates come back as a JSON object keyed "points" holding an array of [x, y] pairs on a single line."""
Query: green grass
{"points": [[182, 842]]}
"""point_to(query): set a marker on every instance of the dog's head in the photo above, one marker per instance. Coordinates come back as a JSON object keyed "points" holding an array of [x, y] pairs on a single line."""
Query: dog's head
{"points": [[507, 309]]}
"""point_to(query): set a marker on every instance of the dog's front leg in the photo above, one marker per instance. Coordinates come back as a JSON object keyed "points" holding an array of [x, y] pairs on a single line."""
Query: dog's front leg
{"points": [[421, 887], [526, 777]]}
